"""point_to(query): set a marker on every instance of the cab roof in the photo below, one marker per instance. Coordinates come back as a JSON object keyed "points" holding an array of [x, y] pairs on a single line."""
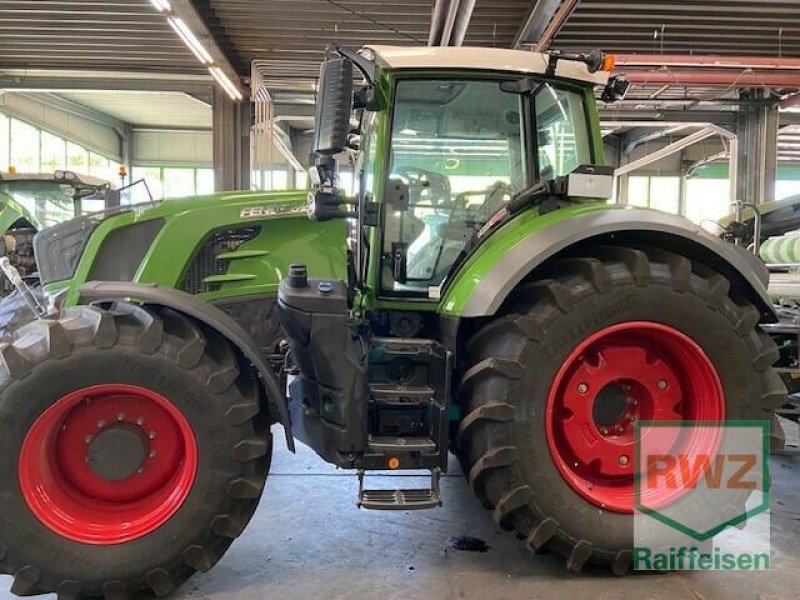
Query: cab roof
{"points": [[66, 177], [486, 59]]}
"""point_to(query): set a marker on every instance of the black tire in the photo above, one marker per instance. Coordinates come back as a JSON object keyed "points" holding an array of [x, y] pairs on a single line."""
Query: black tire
{"points": [[501, 439], [201, 375]]}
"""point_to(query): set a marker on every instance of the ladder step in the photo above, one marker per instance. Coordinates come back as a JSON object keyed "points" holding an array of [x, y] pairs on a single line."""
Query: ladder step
{"points": [[387, 393], [399, 499], [406, 499], [399, 445]]}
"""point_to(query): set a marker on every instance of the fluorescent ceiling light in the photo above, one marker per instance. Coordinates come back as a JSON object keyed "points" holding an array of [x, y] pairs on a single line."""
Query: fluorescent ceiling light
{"points": [[161, 5], [190, 40], [225, 83]]}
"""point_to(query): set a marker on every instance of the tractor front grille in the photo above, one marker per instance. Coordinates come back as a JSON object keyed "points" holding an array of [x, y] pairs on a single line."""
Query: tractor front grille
{"points": [[205, 262]]}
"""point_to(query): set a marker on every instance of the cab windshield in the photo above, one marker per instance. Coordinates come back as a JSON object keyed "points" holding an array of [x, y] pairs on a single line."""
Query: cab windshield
{"points": [[462, 148], [49, 202]]}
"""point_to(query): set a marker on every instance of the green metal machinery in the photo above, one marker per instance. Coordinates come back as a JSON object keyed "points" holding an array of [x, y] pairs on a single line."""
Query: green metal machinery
{"points": [[478, 295], [30, 202]]}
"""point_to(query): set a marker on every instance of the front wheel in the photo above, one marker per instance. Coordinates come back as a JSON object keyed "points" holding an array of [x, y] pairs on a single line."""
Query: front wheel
{"points": [[140, 451], [604, 339]]}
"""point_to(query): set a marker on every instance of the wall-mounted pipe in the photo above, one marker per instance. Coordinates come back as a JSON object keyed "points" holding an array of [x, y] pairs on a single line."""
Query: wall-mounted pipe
{"points": [[698, 136], [707, 61], [721, 77], [449, 22], [437, 22]]}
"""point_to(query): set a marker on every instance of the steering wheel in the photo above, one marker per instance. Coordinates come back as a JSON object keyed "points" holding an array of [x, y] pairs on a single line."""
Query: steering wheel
{"points": [[420, 180]]}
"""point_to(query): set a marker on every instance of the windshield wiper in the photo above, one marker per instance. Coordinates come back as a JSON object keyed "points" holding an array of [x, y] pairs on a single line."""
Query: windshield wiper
{"points": [[533, 194]]}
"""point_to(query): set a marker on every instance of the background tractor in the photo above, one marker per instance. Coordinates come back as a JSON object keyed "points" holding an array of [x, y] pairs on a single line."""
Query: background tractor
{"points": [[479, 295], [30, 202]]}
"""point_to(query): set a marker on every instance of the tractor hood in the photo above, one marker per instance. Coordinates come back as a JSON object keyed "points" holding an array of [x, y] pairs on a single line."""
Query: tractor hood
{"points": [[219, 245]]}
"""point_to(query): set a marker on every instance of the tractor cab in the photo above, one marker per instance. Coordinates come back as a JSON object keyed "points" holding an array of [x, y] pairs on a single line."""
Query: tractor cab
{"points": [[30, 202], [442, 142], [448, 145], [51, 198]]}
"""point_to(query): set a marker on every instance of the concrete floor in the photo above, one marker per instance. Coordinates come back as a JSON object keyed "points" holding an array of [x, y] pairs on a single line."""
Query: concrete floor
{"points": [[309, 541]]}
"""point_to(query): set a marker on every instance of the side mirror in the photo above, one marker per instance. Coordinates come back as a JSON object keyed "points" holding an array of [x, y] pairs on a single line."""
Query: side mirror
{"points": [[334, 106]]}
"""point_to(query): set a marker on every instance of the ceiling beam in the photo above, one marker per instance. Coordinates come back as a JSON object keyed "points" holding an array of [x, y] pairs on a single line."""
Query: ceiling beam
{"points": [[66, 81], [463, 17], [206, 10], [189, 13], [666, 117], [559, 17], [449, 22], [790, 101], [535, 22]]}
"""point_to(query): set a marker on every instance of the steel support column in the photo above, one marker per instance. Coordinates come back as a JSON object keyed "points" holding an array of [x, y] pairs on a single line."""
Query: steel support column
{"points": [[231, 143], [757, 162]]}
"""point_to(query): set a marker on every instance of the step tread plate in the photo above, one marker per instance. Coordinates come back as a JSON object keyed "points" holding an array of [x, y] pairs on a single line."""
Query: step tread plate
{"points": [[383, 444], [408, 499]]}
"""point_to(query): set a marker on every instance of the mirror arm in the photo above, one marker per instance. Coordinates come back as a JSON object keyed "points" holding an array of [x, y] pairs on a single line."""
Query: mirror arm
{"points": [[366, 66]]}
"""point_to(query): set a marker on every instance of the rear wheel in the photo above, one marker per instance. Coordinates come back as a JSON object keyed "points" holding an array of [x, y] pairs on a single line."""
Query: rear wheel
{"points": [[612, 336], [140, 448]]}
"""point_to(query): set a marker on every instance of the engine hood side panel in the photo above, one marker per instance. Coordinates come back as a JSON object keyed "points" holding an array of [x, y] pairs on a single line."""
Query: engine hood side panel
{"points": [[284, 235]]}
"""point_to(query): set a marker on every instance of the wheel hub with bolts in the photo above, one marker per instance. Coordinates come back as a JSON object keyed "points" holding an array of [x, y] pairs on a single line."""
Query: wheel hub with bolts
{"points": [[108, 464], [630, 372], [117, 452]]}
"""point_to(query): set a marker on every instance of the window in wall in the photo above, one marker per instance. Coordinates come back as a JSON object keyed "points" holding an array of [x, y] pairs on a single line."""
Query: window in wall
{"points": [[171, 182], [204, 181], [54, 150], [660, 193], [346, 182], [4, 142], [563, 137], [786, 188], [639, 191], [276, 179], [30, 149], [24, 147], [665, 194], [100, 166], [178, 182], [152, 177], [77, 158], [707, 199]]}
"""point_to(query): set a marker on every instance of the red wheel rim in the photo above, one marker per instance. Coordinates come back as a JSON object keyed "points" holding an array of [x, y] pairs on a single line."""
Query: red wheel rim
{"points": [[621, 374], [132, 432]]}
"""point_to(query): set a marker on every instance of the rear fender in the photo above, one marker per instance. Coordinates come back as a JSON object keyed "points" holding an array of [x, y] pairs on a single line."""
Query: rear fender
{"points": [[209, 315], [483, 284]]}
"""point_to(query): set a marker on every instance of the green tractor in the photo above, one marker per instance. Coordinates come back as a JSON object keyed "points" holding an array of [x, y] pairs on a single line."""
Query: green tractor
{"points": [[30, 202], [479, 295]]}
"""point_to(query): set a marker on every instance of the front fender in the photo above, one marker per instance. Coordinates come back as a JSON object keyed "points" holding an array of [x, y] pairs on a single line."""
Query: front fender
{"points": [[208, 314], [487, 278]]}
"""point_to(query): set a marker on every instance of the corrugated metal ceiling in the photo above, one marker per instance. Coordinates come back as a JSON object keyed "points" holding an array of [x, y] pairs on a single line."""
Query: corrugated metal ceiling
{"points": [[744, 27], [289, 36], [90, 34]]}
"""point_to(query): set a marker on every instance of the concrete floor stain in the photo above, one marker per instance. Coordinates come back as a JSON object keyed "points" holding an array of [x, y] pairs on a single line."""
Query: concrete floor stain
{"points": [[467, 543]]}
